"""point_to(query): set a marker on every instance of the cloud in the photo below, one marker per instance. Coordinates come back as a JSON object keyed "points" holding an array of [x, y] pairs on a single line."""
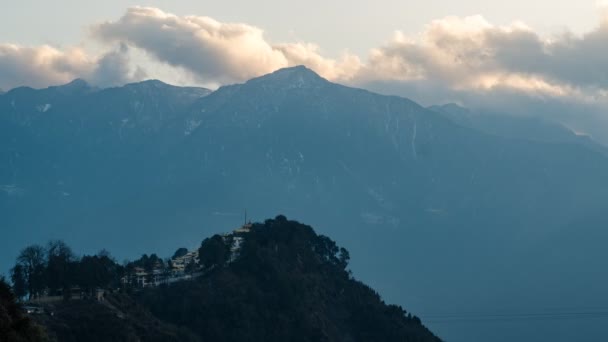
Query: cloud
{"points": [[458, 55], [506, 69], [212, 50], [462, 54], [45, 65], [468, 60], [114, 68], [40, 66], [472, 54]]}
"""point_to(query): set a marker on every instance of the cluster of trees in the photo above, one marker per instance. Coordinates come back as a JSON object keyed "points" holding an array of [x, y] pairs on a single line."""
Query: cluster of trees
{"points": [[55, 269], [148, 264], [214, 251]]}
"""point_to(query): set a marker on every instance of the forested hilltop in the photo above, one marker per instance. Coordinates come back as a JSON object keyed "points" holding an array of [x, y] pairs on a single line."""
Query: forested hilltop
{"points": [[271, 281]]}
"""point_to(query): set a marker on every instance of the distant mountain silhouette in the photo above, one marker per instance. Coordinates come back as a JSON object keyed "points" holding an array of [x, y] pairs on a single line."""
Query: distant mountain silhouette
{"points": [[140, 167], [518, 127]]}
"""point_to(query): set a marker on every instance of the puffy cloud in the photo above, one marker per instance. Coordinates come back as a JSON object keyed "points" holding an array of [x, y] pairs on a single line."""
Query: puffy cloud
{"points": [[308, 54], [499, 69], [40, 66], [462, 55], [45, 65], [214, 51], [472, 54], [114, 68], [466, 60]]}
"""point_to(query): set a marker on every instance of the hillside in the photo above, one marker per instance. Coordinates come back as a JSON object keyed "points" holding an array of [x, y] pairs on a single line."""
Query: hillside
{"points": [[119, 319], [15, 326], [283, 283]]}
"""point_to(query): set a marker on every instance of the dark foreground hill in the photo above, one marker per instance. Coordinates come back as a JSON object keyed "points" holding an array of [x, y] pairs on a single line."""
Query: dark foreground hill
{"points": [[14, 325], [118, 319], [285, 283]]}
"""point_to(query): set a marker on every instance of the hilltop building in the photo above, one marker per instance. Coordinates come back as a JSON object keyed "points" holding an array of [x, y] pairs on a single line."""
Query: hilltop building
{"points": [[184, 267]]}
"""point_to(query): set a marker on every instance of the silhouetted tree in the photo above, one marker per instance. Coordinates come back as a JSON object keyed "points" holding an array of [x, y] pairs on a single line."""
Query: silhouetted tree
{"points": [[18, 277], [190, 267], [98, 272], [213, 251], [60, 267], [344, 258], [180, 252], [33, 260]]}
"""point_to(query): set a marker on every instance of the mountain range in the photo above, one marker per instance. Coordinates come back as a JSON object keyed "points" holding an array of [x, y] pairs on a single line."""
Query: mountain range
{"points": [[444, 211]]}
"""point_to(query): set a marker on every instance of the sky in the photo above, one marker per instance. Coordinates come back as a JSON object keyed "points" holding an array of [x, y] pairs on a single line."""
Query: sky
{"points": [[338, 31], [472, 52], [335, 25]]}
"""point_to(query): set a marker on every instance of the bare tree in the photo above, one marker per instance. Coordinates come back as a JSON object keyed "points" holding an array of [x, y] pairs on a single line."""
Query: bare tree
{"points": [[33, 260]]}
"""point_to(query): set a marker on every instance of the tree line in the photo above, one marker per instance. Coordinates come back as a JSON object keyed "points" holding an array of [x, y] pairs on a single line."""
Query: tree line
{"points": [[54, 269]]}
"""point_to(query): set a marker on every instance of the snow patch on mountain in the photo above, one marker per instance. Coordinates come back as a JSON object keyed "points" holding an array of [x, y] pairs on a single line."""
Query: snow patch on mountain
{"points": [[44, 108], [191, 126], [12, 190]]}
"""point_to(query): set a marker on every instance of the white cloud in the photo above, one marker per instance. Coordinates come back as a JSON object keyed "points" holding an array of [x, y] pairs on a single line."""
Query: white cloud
{"points": [[45, 65], [39, 66], [472, 54], [114, 68], [463, 54], [469, 60], [460, 54], [212, 50]]}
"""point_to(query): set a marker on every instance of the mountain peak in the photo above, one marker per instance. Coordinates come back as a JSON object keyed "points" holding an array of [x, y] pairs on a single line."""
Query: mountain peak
{"points": [[291, 77], [152, 83], [77, 83], [298, 69], [76, 86], [450, 109]]}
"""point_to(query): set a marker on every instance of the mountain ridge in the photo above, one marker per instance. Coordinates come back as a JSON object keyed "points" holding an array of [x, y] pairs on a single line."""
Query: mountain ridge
{"points": [[370, 170]]}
